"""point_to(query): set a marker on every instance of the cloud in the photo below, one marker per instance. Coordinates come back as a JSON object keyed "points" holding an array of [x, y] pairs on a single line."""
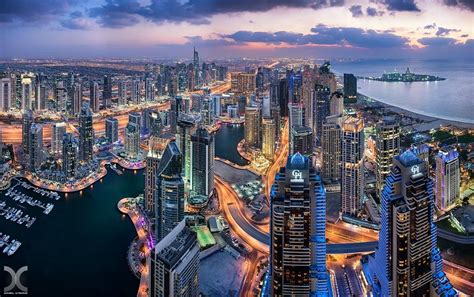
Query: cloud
{"points": [[323, 35], [372, 11], [356, 11], [122, 13], [399, 5], [430, 26], [76, 21], [33, 11], [445, 31], [437, 41], [463, 4]]}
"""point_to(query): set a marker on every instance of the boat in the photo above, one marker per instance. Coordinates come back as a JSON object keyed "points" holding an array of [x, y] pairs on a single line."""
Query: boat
{"points": [[48, 208], [14, 247], [405, 77]]}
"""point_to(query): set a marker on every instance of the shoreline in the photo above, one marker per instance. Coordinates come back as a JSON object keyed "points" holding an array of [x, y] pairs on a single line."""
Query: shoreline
{"points": [[429, 121]]}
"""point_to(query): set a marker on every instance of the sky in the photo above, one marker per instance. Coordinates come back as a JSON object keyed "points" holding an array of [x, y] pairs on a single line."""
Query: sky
{"points": [[421, 29]]}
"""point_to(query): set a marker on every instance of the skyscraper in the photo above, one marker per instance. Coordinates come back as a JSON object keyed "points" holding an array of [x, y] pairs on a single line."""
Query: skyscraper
{"points": [[174, 264], [268, 138], [76, 98], [41, 96], [186, 126], [111, 129], [36, 147], [388, 146], [5, 94], [94, 96], [136, 118], [61, 96], [155, 151], [252, 126], [243, 83], [27, 121], [407, 262], [149, 89], [196, 68], [352, 175], [283, 96], [202, 162], [350, 87], [58, 130], [296, 112], [86, 133], [122, 92], [69, 155], [322, 109], [135, 91], [132, 140], [448, 180], [331, 148], [298, 231], [107, 92], [26, 93], [301, 140], [169, 204]]}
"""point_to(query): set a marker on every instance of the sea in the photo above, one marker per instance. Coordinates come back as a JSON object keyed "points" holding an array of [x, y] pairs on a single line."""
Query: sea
{"points": [[450, 99]]}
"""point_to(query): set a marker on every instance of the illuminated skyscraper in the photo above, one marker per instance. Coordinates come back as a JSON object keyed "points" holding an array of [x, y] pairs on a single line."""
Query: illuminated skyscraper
{"points": [[268, 138], [407, 261], [298, 231], [69, 155], [76, 98], [448, 180], [111, 130], [58, 131], [155, 151], [5, 94], [86, 134], [174, 264], [136, 118], [94, 96], [321, 109], [331, 148], [283, 96], [107, 92], [243, 83], [169, 204], [196, 69], [27, 121], [296, 112], [26, 93], [132, 140], [135, 91], [61, 96], [352, 175], [36, 147], [149, 89], [388, 146], [186, 127], [122, 92], [202, 162], [252, 126]]}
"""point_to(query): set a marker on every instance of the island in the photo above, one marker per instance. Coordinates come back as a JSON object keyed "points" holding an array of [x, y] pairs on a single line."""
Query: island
{"points": [[404, 77]]}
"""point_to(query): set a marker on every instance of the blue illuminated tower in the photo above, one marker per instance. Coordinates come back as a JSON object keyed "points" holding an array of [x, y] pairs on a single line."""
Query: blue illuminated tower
{"points": [[298, 231]]}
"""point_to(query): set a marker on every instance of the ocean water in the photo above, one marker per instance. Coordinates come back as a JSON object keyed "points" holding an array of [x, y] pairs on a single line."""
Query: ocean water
{"points": [[451, 99]]}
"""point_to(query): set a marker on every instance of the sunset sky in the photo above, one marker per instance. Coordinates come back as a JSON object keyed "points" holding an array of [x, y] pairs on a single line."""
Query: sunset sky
{"points": [[238, 28]]}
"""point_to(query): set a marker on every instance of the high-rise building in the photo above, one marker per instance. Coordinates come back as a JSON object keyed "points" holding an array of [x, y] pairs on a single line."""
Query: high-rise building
{"points": [[136, 118], [296, 112], [407, 261], [69, 155], [387, 146], [202, 162], [61, 96], [350, 87], [352, 175], [111, 130], [243, 83], [301, 140], [336, 104], [252, 126], [26, 93], [307, 87], [174, 264], [94, 96], [76, 98], [196, 69], [36, 147], [135, 91], [268, 138], [5, 94], [149, 89], [298, 231], [186, 126], [86, 134], [331, 148], [107, 92], [41, 97], [27, 121], [283, 96], [58, 131], [122, 92], [448, 180], [156, 147], [207, 111], [169, 204], [321, 109], [132, 140]]}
